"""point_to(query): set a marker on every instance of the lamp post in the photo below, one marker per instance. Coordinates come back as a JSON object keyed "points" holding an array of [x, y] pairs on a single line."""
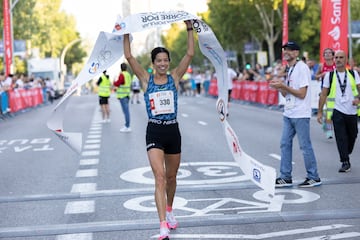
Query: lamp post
{"points": [[62, 60]]}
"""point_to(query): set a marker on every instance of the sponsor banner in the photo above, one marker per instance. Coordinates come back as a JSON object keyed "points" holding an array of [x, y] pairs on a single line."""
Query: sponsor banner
{"points": [[19, 99], [109, 48], [260, 174], [334, 26]]}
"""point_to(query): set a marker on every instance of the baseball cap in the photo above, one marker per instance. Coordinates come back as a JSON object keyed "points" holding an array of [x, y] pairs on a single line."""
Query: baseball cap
{"points": [[292, 45]]}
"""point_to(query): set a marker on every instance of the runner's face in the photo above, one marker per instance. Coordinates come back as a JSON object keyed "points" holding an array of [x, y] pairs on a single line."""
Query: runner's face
{"points": [[162, 62]]}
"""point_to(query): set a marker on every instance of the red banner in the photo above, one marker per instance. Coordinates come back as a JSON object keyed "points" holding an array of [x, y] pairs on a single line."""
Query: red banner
{"points": [[334, 26], [7, 37]]}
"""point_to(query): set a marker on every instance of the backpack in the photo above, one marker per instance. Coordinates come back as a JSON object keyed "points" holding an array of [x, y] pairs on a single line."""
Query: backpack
{"points": [[332, 74]]}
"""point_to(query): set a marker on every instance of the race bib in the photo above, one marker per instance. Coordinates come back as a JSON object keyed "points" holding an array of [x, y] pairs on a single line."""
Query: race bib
{"points": [[162, 102]]}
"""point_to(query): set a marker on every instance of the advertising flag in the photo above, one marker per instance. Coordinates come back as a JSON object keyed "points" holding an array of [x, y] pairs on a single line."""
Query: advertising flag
{"points": [[334, 26]]}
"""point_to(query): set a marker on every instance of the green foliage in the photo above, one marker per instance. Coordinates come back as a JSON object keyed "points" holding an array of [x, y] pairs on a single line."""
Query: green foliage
{"points": [[43, 26]]}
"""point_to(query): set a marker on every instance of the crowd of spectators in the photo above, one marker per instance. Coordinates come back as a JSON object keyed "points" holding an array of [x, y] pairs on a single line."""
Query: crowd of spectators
{"points": [[13, 82], [196, 82]]}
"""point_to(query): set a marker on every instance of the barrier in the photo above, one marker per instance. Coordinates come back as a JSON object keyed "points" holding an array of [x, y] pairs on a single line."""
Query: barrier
{"points": [[20, 99], [260, 92], [250, 91], [213, 89], [4, 102]]}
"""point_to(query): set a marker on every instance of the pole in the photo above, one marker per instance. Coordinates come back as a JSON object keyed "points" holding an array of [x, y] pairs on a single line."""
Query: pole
{"points": [[285, 33], [7, 37], [12, 5], [349, 30], [62, 60]]}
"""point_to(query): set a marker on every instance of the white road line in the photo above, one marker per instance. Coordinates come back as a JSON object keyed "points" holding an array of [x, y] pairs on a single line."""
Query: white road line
{"points": [[93, 141], [92, 146], [87, 173], [83, 187], [90, 153], [77, 207], [334, 236], [277, 157], [91, 161], [261, 236], [202, 123], [184, 115], [95, 132], [94, 136], [76, 236]]}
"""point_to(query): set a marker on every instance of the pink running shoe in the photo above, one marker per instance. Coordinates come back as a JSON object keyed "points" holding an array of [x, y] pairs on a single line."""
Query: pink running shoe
{"points": [[171, 221], [164, 231]]}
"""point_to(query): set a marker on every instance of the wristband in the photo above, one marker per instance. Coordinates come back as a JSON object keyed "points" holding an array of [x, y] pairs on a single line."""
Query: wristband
{"points": [[189, 29]]}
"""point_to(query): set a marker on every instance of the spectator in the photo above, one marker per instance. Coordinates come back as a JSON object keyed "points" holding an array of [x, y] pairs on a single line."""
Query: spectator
{"points": [[104, 95], [259, 69], [327, 66], [198, 78], [231, 76], [2, 94], [352, 65], [296, 118], [313, 66], [123, 85], [341, 91], [135, 88]]}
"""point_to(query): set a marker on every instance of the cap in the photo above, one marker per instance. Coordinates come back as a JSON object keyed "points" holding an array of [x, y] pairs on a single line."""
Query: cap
{"points": [[291, 45]]}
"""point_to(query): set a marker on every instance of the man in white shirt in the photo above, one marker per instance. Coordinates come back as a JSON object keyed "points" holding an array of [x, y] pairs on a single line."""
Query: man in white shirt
{"points": [[296, 118], [231, 76], [341, 94]]}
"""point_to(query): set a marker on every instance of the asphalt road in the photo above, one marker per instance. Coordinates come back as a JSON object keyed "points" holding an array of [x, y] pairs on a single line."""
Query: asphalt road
{"points": [[49, 192]]}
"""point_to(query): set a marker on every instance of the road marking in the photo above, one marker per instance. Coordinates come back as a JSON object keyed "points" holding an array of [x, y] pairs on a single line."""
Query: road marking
{"points": [[90, 153], [77, 207], [334, 236], [152, 223], [76, 236], [260, 236], [93, 141], [83, 187], [277, 157], [184, 115], [94, 132], [202, 123], [87, 173], [94, 136], [92, 146], [90, 161], [219, 173]]}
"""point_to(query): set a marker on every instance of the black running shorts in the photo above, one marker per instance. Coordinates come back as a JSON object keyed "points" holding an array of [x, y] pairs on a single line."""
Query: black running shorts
{"points": [[165, 137], [103, 100]]}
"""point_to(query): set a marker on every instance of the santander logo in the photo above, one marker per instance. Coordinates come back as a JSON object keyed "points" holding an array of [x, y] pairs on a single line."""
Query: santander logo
{"points": [[335, 21], [335, 33]]}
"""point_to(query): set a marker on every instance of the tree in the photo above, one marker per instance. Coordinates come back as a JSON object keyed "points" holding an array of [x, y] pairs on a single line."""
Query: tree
{"points": [[43, 26]]}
